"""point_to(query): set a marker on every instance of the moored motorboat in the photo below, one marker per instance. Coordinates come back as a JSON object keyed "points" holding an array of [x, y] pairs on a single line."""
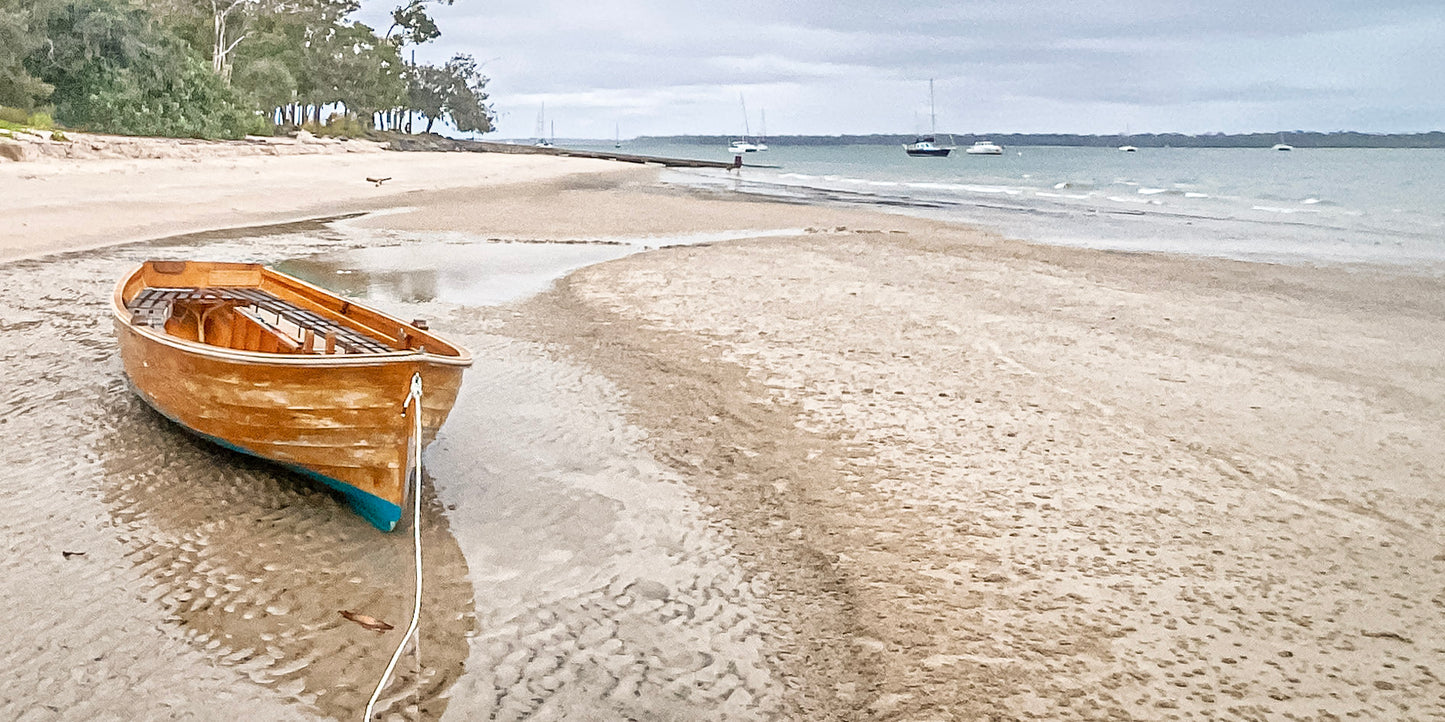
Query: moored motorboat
{"points": [[984, 147], [271, 366]]}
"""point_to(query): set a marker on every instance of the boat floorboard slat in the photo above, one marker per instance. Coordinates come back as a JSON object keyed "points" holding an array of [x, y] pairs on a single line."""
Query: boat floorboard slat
{"points": [[349, 339]]}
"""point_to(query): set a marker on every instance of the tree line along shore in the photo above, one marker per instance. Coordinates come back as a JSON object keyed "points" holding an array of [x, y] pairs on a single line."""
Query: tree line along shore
{"points": [[228, 68]]}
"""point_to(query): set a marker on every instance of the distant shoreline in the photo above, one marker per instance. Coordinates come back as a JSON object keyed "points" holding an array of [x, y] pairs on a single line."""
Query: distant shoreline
{"points": [[1298, 139]]}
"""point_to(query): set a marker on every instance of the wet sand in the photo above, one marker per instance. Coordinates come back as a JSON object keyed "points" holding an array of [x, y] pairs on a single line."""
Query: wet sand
{"points": [[864, 467]]}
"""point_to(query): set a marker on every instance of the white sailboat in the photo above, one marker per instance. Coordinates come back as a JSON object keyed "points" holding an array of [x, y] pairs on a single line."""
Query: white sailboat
{"points": [[1126, 147], [542, 141], [745, 145], [1281, 145]]}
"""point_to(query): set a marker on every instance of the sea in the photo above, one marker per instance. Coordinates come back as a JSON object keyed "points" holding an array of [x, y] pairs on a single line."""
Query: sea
{"points": [[1312, 206]]}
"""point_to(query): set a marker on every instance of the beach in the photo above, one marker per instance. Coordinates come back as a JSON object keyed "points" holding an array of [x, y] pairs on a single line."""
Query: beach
{"points": [[735, 458]]}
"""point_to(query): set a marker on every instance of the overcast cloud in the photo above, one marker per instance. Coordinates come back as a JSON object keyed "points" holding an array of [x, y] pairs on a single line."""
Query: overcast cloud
{"points": [[658, 67]]}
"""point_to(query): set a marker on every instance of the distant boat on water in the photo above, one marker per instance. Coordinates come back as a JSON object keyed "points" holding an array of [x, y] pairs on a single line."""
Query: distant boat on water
{"points": [[542, 141], [1281, 145], [927, 146], [744, 145], [984, 147], [1125, 147]]}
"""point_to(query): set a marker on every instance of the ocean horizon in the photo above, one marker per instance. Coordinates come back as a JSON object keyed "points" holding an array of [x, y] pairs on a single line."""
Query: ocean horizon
{"points": [[1318, 205]]}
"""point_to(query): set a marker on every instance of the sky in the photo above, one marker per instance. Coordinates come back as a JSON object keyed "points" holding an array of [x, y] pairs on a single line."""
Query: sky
{"points": [[829, 67]]}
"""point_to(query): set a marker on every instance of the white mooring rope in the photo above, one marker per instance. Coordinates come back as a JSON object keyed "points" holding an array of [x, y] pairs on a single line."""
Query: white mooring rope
{"points": [[414, 394]]}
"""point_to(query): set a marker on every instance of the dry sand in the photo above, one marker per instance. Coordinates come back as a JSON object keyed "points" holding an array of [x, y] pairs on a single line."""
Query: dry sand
{"points": [[883, 468], [141, 188]]}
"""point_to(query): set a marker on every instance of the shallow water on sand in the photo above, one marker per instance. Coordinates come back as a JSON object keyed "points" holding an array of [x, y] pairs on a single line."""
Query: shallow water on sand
{"points": [[155, 575]]}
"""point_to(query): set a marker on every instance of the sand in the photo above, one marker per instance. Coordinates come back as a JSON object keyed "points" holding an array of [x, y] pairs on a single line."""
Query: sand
{"points": [[865, 467], [175, 187], [995, 481]]}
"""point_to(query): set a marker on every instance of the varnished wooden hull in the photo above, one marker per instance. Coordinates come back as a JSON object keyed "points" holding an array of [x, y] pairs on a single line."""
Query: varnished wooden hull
{"points": [[338, 418]]}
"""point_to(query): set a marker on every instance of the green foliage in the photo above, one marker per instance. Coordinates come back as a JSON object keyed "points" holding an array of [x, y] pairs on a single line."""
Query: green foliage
{"points": [[18, 86], [116, 69], [13, 116], [351, 66], [338, 126], [218, 69], [415, 26], [455, 90], [17, 119], [267, 81]]}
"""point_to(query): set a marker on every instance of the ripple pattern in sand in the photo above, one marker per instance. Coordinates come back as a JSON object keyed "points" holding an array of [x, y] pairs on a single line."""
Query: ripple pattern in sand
{"points": [[567, 572], [153, 575], [600, 583]]}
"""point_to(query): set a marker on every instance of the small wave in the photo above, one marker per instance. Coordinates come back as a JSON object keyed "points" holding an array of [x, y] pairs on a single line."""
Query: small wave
{"points": [[1135, 200], [1151, 191], [1282, 210], [1075, 196], [1310, 201], [886, 184], [992, 190], [1192, 194]]}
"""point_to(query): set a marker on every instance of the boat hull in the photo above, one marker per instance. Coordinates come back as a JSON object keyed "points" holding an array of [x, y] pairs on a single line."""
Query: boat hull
{"points": [[340, 419], [929, 153]]}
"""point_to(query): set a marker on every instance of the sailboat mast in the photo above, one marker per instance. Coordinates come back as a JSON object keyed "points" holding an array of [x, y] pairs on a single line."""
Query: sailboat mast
{"points": [[932, 118], [746, 130]]}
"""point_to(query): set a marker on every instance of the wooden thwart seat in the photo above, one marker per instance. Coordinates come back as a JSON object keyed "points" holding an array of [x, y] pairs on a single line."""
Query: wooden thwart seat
{"points": [[153, 306]]}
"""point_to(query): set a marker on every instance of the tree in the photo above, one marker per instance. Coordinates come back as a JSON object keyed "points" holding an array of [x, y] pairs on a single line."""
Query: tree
{"points": [[427, 90], [222, 44], [18, 88], [350, 65], [412, 25], [115, 68], [468, 105], [267, 81], [455, 90]]}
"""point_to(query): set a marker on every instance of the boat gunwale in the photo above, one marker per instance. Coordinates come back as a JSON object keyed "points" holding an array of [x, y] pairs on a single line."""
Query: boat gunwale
{"points": [[122, 316]]}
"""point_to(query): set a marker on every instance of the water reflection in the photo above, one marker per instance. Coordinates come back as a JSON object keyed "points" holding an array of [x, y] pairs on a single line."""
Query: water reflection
{"points": [[477, 273]]}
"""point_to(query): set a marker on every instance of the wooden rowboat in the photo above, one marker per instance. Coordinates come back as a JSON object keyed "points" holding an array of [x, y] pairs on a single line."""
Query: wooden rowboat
{"points": [[274, 367]]}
